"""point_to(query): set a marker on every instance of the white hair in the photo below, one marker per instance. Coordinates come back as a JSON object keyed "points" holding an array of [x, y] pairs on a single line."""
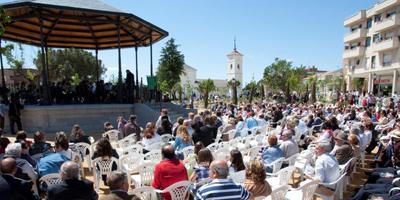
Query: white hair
{"points": [[325, 145], [14, 150]]}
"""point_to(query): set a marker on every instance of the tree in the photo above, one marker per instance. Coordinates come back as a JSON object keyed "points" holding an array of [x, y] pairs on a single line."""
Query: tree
{"points": [[251, 88], [188, 90], [170, 64], [177, 89], [282, 76], [205, 87], [66, 63], [4, 20], [234, 84]]}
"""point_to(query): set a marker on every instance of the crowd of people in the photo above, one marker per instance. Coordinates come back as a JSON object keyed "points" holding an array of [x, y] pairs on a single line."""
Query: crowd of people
{"points": [[333, 133]]}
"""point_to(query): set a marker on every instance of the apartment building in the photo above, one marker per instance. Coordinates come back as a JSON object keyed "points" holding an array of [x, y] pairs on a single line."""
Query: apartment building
{"points": [[371, 48]]}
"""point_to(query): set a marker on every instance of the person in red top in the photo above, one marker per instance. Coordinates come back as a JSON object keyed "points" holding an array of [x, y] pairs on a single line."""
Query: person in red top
{"points": [[169, 171]]}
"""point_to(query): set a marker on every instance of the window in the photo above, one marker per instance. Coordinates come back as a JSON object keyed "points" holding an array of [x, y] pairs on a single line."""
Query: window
{"points": [[369, 23], [390, 14], [387, 59], [388, 36], [377, 18], [358, 62], [373, 62], [238, 66], [231, 66], [376, 38], [368, 41]]}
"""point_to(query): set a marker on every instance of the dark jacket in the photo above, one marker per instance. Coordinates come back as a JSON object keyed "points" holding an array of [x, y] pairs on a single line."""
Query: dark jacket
{"points": [[19, 188], [72, 189], [202, 134], [344, 153]]}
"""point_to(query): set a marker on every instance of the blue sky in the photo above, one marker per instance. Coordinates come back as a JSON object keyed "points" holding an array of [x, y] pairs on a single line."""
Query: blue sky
{"points": [[308, 32]]}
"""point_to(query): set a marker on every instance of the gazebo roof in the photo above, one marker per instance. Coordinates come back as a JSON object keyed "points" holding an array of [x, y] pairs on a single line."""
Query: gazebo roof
{"points": [[87, 24]]}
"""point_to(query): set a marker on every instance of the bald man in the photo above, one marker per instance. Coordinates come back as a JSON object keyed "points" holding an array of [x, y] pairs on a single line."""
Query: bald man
{"points": [[18, 188], [221, 187], [169, 171], [71, 187]]}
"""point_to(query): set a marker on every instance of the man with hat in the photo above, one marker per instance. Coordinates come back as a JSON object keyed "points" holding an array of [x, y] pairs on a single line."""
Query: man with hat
{"points": [[342, 150]]}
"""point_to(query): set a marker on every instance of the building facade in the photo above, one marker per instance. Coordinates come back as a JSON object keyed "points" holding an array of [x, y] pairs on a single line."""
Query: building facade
{"points": [[235, 68], [371, 51]]}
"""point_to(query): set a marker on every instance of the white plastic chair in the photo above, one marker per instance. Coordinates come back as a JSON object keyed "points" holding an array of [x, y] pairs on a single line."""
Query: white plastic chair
{"points": [[238, 177], [112, 135], [133, 148], [187, 151], [304, 192], [254, 152], [231, 134], [127, 141], [102, 167], [244, 132], [154, 146], [146, 174], [154, 155], [291, 160], [84, 148], [338, 185], [281, 178], [221, 154], [144, 193], [276, 165], [212, 147], [178, 190], [278, 193], [129, 163], [51, 179], [166, 138]]}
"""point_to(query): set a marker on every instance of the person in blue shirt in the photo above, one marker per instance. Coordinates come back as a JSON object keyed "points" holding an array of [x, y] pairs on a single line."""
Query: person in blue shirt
{"points": [[250, 121], [271, 153], [52, 163], [183, 138]]}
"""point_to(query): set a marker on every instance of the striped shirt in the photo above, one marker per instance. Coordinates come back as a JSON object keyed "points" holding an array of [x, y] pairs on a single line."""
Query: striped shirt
{"points": [[224, 189]]}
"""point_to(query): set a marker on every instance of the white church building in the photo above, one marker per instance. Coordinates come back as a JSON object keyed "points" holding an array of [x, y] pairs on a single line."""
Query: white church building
{"points": [[234, 71]]}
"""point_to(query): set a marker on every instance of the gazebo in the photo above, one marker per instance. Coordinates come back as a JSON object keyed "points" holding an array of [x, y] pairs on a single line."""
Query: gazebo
{"points": [[89, 24]]}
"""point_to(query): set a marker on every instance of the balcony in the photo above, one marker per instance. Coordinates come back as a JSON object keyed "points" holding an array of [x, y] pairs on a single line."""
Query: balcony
{"points": [[355, 35], [359, 16], [384, 4], [352, 53], [387, 23], [385, 45]]}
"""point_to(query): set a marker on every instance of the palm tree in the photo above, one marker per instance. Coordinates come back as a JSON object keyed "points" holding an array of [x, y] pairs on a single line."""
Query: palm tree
{"points": [[234, 84], [205, 87]]}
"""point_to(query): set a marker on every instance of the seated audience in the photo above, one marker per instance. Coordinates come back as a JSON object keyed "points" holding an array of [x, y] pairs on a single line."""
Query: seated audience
{"points": [[39, 145], [255, 181], [221, 187], [119, 186], [182, 139], [77, 135], [14, 150], [288, 146], [236, 161], [71, 187], [132, 128], [272, 152], [149, 135], [342, 149], [169, 171]]}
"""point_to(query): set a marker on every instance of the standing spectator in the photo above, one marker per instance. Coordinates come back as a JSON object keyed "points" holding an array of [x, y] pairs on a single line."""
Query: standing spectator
{"points": [[118, 184], [255, 181], [169, 171], [120, 125], [71, 187], [77, 135], [18, 188], [132, 127], [221, 187], [14, 113], [236, 161]]}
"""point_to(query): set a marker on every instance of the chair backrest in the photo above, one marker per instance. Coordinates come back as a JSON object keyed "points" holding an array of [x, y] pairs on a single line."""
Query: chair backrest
{"points": [[254, 130], [144, 193], [291, 160], [187, 151], [285, 174], [112, 135], [254, 152], [133, 148], [51, 179], [279, 193], [104, 166], [146, 172], [231, 134], [83, 148], [238, 177], [308, 190], [223, 145], [260, 139], [130, 162], [276, 165], [344, 169], [126, 142], [166, 138], [212, 147], [221, 154], [155, 146], [153, 155], [244, 132], [178, 190], [76, 157]]}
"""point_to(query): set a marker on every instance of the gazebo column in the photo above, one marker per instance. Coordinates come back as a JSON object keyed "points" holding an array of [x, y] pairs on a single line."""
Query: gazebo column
{"points": [[97, 65], [119, 61], [3, 80], [137, 73], [45, 83], [152, 92]]}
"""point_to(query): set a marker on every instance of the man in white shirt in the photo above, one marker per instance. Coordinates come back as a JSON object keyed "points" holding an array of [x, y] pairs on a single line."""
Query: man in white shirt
{"points": [[288, 145], [326, 167]]}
